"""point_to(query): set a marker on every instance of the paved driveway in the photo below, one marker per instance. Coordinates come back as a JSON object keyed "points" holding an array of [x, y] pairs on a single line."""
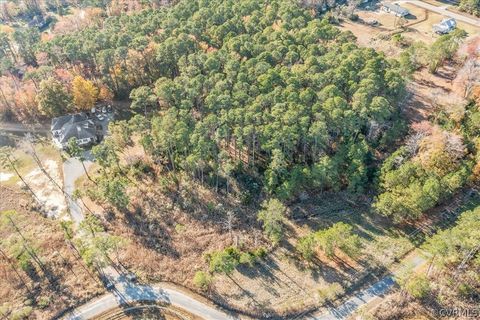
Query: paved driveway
{"points": [[72, 170]]}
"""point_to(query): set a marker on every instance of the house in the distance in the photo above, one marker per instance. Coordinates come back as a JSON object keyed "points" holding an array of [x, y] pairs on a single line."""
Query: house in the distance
{"points": [[445, 26], [395, 9], [86, 130]]}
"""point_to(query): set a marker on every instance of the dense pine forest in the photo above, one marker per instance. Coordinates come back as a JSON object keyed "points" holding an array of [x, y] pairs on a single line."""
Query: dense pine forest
{"points": [[286, 91]]}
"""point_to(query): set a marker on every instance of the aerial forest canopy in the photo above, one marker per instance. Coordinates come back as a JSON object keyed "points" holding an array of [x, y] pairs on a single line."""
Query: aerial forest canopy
{"points": [[265, 82]]}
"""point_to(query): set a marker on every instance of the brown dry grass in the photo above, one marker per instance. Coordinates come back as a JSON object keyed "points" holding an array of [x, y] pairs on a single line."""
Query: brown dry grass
{"points": [[73, 283], [400, 306], [168, 243]]}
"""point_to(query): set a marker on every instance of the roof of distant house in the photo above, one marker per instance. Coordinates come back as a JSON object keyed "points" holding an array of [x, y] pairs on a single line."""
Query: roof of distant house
{"points": [[445, 25], [396, 8]]}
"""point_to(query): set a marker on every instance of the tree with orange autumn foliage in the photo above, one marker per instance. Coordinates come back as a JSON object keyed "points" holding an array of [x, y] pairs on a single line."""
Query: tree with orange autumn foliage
{"points": [[476, 94], [85, 93], [104, 94]]}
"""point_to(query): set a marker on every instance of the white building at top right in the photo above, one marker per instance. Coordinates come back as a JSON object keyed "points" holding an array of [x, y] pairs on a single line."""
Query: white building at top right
{"points": [[445, 26]]}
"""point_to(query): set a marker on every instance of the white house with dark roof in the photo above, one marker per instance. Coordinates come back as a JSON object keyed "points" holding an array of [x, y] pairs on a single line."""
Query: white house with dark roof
{"points": [[85, 130], [445, 26]]}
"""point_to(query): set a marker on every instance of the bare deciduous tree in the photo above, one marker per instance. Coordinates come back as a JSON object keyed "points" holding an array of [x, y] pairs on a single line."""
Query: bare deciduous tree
{"points": [[469, 76], [229, 222]]}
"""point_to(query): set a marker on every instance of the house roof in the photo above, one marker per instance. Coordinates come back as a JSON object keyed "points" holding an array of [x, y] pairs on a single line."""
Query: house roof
{"points": [[59, 122], [396, 8], [79, 130], [77, 126], [445, 25]]}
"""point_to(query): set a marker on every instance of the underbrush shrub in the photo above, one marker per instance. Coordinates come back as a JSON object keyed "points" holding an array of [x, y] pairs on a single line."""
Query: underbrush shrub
{"points": [[139, 167], [305, 246], [246, 258], [24, 313], [4, 310], [466, 291], [44, 302], [418, 286], [330, 293], [339, 236], [202, 280], [353, 17], [227, 260], [260, 252]]}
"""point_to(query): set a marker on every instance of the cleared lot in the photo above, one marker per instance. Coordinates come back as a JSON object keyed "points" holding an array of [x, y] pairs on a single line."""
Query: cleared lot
{"points": [[418, 26]]}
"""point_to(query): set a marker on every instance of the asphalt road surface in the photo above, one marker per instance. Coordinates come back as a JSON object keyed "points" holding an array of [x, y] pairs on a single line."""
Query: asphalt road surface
{"points": [[127, 292]]}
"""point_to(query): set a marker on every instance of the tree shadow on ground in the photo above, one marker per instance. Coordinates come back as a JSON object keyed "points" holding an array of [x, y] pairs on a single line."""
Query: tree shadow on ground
{"points": [[323, 210], [255, 309], [151, 232], [212, 210]]}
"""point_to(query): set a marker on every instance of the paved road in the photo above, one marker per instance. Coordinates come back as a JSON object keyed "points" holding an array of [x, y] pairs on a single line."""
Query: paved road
{"points": [[365, 296], [443, 11], [127, 292]]}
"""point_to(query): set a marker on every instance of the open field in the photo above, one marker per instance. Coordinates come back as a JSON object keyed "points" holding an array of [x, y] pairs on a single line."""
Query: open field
{"points": [[418, 27]]}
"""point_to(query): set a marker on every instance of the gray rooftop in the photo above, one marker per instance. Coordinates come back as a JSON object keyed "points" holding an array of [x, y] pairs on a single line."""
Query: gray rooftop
{"points": [[393, 7], [59, 122], [77, 126]]}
